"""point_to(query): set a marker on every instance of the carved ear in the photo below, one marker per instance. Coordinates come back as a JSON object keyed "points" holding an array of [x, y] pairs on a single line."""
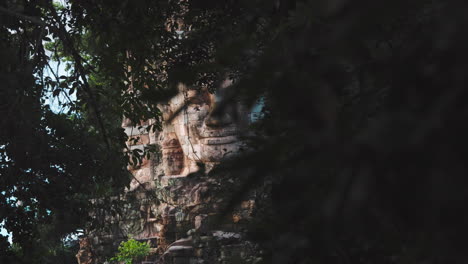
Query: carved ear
{"points": [[166, 111], [173, 155]]}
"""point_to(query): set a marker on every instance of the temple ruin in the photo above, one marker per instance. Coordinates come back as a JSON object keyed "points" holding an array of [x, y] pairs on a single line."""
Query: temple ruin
{"points": [[174, 201]]}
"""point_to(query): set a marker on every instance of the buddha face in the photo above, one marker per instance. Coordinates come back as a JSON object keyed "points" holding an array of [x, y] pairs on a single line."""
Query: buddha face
{"points": [[206, 133]]}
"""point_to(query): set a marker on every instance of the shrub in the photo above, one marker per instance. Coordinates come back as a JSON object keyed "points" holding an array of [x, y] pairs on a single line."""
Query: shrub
{"points": [[131, 250]]}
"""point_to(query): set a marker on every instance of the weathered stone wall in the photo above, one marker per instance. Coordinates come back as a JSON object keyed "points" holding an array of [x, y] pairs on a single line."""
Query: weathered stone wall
{"points": [[173, 202], [181, 218]]}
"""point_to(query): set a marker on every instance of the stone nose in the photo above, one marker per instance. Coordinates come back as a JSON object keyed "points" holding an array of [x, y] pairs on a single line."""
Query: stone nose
{"points": [[218, 118]]}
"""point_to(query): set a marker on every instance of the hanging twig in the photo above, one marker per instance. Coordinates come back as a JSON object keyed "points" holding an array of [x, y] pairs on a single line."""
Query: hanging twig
{"points": [[62, 33]]}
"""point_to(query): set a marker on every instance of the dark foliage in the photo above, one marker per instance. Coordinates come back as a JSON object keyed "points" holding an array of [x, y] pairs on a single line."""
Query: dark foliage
{"points": [[51, 163], [363, 127]]}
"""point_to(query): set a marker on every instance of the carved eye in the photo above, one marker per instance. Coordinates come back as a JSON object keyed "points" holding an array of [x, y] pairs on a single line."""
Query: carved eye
{"points": [[196, 100], [199, 98]]}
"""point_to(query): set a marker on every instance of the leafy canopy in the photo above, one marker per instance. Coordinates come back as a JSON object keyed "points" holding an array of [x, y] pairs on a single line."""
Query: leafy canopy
{"points": [[364, 128]]}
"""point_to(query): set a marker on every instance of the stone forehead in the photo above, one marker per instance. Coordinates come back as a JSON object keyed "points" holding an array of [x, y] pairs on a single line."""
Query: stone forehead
{"points": [[202, 96]]}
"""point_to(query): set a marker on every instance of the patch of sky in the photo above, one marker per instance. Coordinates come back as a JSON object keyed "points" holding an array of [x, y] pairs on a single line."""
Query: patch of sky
{"points": [[55, 69], [256, 113], [4, 232]]}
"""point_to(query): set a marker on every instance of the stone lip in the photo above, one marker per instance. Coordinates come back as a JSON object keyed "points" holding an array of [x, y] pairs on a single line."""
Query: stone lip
{"points": [[206, 132], [181, 247], [220, 140]]}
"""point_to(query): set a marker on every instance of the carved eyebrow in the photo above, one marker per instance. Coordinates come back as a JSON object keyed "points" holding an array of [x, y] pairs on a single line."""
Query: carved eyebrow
{"points": [[195, 100], [199, 98], [182, 108]]}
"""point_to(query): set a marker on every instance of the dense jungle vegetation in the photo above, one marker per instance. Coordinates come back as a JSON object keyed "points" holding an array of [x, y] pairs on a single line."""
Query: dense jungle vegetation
{"points": [[364, 128]]}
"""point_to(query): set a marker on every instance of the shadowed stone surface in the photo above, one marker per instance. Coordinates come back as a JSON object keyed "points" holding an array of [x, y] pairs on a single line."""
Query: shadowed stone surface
{"points": [[174, 203]]}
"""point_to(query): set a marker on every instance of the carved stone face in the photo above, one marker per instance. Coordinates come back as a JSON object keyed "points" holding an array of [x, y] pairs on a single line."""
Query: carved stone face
{"points": [[205, 134]]}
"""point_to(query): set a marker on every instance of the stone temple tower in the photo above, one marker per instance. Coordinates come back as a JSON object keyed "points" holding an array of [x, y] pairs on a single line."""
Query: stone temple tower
{"points": [[176, 200]]}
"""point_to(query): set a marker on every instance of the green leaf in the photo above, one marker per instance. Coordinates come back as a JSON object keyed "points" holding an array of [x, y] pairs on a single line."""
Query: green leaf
{"points": [[131, 250], [63, 85], [56, 92]]}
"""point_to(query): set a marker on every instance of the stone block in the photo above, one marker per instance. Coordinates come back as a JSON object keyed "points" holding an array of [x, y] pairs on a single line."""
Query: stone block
{"points": [[181, 260], [135, 130]]}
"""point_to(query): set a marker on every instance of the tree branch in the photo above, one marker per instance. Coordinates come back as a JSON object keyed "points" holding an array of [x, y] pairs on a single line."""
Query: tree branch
{"points": [[79, 66]]}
